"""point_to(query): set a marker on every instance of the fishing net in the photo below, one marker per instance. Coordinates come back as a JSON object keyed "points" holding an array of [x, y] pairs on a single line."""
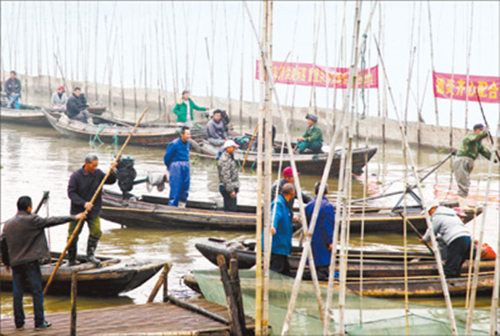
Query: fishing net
{"points": [[378, 315]]}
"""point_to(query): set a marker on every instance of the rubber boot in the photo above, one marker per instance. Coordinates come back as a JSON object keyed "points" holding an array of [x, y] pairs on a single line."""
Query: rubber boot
{"points": [[91, 247], [72, 254]]}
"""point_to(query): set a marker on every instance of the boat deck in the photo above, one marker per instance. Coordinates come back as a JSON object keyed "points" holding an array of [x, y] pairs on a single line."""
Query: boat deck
{"points": [[149, 318]]}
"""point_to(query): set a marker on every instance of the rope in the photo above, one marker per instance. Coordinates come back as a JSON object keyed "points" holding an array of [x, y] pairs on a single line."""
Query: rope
{"points": [[97, 137], [363, 67]]}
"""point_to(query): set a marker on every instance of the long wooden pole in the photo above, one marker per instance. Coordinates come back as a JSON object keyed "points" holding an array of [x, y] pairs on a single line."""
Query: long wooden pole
{"points": [[437, 254], [486, 124], [472, 301], [467, 66], [98, 190], [241, 67], [432, 58], [496, 289], [452, 78]]}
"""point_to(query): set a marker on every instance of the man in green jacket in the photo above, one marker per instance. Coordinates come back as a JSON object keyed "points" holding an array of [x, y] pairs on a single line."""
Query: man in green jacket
{"points": [[312, 138], [469, 150], [181, 109]]}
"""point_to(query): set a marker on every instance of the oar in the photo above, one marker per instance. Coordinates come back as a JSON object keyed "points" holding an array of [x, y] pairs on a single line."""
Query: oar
{"points": [[486, 123], [80, 222], [249, 146], [45, 197], [417, 232]]}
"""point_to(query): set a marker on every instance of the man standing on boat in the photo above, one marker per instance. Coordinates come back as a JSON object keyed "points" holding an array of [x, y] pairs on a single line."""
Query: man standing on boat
{"points": [[453, 233], [176, 159], [13, 91], [312, 139], [469, 150], [76, 107], [184, 109], [228, 176], [59, 99], [288, 178], [82, 185], [25, 244], [216, 130], [321, 242], [281, 230]]}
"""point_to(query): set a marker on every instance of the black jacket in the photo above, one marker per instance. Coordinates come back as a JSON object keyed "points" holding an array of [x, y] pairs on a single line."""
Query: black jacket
{"points": [[24, 237], [12, 86], [279, 184], [75, 105], [81, 188]]}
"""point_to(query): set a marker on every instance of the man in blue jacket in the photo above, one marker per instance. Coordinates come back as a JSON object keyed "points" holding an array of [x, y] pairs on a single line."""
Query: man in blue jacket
{"points": [[176, 159], [282, 230], [321, 242]]}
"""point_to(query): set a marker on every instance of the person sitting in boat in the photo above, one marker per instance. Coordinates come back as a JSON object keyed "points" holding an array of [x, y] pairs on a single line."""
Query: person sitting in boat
{"points": [[281, 230], [76, 107], [23, 245], [59, 99], [288, 178], [216, 132], [13, 91], [184, 109], [321, 241], [453, 233], [312, 139], [228, 176], [176, 160], [82, 186]]}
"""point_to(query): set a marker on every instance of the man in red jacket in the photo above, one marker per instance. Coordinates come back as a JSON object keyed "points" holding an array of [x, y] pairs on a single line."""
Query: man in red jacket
{"points": [[24, 240]]}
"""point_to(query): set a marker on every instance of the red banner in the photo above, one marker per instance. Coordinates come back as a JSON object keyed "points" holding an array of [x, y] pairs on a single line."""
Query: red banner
{"points": [[455, 87], [309, 75]]}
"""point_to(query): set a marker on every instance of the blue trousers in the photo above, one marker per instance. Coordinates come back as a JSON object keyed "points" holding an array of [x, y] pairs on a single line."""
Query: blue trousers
{"points": [[179, 182], [13, 101], [21, 274]]}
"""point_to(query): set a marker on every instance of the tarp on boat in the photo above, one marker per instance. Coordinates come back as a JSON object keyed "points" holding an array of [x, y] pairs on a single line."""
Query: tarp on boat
{"points": [[379, 315]]}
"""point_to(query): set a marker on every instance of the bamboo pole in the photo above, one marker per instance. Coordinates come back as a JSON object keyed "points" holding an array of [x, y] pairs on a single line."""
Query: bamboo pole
{"points": [[98, 190], [26, 58], [327, 71], [477, 259], [496, 289], [212, 60], [312, 96], [467, 66], [362, 239], [195, 58], [74, 280], [174, 37], [241, 69], [405, 239], [96, 40], [453, 80], [432, 58], [122, 67], [158, 70], [437, 254], [228, 63], [410, 68], [471, 257], [186, 28]]}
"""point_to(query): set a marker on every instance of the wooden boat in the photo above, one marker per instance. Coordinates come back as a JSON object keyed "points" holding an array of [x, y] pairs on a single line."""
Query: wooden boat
{"points": [[113, 277], [375, 263], [306, 163], [154, 212], [145, 136], [26, 115], [394, 288]]}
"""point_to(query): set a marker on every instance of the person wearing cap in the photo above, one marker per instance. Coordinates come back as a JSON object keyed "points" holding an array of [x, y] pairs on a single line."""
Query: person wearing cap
{"points": [[176, 160], [281, 230], [313, 137], [216, 130], [469, 150], [59, 99], [229, 183], [321, 241], [184, 109], [453, 233], [13, 91], [288, 178], [76, 107]]}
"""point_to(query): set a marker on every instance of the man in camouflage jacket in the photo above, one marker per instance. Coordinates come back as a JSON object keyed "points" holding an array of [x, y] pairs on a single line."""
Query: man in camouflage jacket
{"points": [[469, 150], [228, 176]]}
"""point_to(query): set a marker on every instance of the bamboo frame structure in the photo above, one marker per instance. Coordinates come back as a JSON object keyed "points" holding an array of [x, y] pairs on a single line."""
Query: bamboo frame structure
{"points": [[472, 301], [435, 248]]}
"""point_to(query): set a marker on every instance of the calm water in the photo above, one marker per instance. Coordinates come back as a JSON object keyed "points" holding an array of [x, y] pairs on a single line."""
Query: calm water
{"points": [[38, 159]]}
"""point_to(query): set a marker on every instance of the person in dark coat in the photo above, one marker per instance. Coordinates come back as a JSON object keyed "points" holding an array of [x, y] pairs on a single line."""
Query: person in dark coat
{"points": [[281, 230], [216, 130], [23, 245], [288, 178], [13, 91], [176, 160], [76, 107], [321, 241], [82, 185]]}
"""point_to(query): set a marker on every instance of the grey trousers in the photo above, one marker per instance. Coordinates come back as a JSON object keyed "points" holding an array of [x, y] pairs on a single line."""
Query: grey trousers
{"points": [[462, 167]]}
